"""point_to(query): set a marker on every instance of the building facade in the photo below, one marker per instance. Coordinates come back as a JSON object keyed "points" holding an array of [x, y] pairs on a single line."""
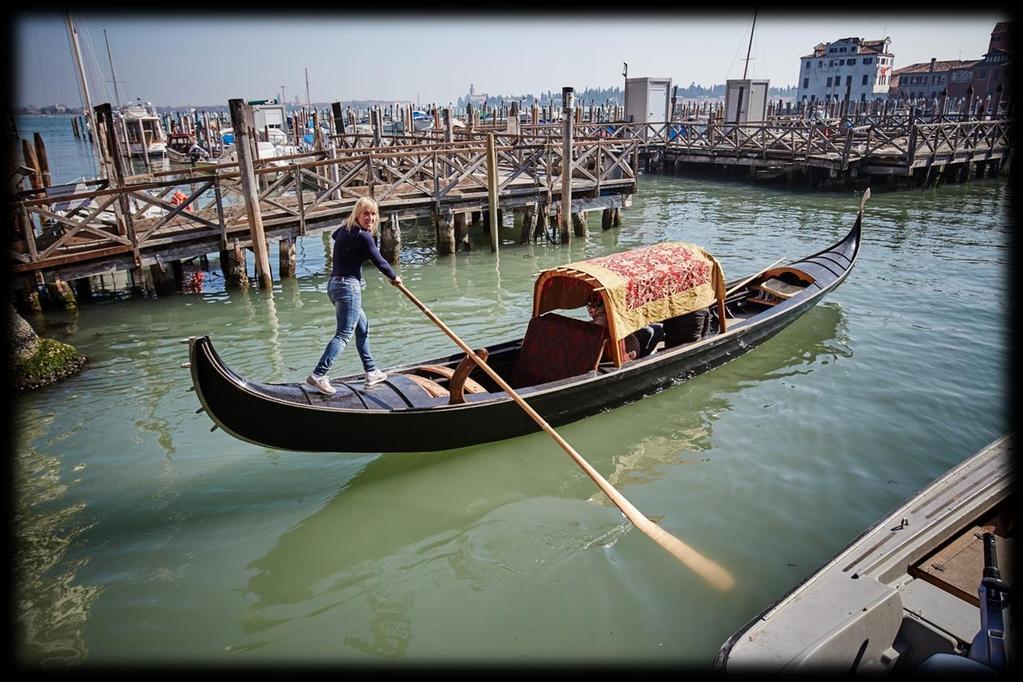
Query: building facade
{"points": [[858, 68], [983, 79], [994, 70], [931, 80], [477, 101]]}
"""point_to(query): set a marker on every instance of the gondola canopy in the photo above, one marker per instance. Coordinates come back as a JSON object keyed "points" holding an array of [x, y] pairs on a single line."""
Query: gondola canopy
{"points": [[639, 286]]}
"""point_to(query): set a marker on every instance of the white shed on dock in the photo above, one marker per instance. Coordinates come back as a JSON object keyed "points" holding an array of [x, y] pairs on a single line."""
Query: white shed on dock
{"points": [[269, 114], [647, 100], [745, 100]]}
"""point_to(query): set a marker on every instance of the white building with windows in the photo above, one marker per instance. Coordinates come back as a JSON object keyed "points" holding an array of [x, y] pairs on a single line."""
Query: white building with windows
{"points": [[863, 68]]}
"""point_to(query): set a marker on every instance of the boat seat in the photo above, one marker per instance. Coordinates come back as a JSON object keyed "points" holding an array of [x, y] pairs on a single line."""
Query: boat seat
{"points": [[429, 385], [773, 291], [780, 289], [557, 347], [446, 372]]}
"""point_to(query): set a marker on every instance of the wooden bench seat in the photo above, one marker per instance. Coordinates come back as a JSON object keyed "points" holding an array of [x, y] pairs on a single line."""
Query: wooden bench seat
{"points": [[773, 291]]}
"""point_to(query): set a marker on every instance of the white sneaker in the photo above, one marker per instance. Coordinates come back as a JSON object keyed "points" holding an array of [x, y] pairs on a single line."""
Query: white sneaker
{"points": [[374, 376], [321, 384]]}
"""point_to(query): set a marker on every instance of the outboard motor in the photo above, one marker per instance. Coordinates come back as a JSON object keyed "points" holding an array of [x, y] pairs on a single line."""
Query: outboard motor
{"points": [[988, 646], [989, 653]]}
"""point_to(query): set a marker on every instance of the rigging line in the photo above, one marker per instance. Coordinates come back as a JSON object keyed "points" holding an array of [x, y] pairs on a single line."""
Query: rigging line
{"points": [[97, 71]]}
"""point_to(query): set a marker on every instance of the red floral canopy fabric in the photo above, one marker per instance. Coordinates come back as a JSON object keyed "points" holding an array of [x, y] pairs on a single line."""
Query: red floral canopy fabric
{"points": [[640, 286]]}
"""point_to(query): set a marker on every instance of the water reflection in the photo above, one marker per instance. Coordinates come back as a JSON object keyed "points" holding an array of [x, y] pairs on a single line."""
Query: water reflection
{"points": [[51, 607], [408, 524], [813, 341], [274, 324]]}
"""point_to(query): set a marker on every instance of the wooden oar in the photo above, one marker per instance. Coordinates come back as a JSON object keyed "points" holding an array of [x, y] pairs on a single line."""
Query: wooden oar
{"points": [[753, 276], [705, 568]]}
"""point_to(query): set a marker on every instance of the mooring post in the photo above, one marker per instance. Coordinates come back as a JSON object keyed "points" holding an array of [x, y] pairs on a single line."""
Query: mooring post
{"points": [[528, 221], [492, 190], [61, 295], [449, 135], [232, 265], [162, 281], [606, 218], [44, 163], [104, 117], [513, 119], [542, 217], [461, 231], [445, 224], [83, 289], [579, 223], [240, 114], [286, 257], [390, 239], [337, 116], [376, 121], [32, 163], [568, 109]]}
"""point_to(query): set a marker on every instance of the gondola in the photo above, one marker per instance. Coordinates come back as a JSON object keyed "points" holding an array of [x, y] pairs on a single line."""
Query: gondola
{"points": [[924, 590], [565, 368]]}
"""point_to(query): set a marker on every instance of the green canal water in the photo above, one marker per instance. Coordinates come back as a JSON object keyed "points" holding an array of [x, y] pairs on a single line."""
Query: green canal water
{"points": [[142, 538]]}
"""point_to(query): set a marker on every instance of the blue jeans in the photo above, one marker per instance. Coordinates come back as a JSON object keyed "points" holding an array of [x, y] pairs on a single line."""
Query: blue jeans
{"points": [[346, 295]]}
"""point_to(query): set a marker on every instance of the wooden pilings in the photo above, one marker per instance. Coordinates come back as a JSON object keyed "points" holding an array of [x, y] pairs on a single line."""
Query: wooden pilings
{"points": [[492, 185], [62, 295], [390, 239], [241, 115], [232, 265], [568, 108], [579, 224], [287, 260], [445, 224], [43, 163], [461, 231]]}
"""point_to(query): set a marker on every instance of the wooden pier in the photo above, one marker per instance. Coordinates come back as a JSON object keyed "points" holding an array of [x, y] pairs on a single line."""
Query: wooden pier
{"points": [[153, 219], [457, 177]]}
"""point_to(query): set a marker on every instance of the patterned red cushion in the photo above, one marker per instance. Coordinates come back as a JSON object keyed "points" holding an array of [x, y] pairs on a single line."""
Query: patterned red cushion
{"points": [[557, 347]]}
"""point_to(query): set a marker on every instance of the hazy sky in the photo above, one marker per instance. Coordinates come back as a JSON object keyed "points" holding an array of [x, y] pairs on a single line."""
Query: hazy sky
{"points": [[206, 59]]}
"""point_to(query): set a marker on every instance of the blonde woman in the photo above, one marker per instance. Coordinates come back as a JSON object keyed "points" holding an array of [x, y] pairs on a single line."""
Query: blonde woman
{"points": [[353, 246]]}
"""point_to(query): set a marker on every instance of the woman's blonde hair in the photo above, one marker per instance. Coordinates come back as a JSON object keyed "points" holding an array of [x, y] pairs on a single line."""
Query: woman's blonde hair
{"points": [[360, 205]]}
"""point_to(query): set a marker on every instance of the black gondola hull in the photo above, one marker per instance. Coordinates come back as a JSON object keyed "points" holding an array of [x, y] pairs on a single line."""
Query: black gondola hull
{"points": [[383, 418]]}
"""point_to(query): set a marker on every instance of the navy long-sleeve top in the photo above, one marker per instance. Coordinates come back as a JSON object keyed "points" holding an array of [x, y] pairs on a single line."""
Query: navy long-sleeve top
{"points": [[354, 247]]}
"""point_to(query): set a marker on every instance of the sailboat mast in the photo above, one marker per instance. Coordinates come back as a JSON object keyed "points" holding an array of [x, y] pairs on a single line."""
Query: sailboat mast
{"points": [[750, 48], [117, 93], [76, 52]]}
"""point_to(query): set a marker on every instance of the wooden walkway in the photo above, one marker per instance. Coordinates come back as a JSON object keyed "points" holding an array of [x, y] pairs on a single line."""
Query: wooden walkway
{"points": [[107, 228]]}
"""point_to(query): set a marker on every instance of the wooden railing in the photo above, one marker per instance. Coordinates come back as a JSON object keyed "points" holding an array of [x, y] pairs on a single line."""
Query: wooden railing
{"points": [[148, 212]]}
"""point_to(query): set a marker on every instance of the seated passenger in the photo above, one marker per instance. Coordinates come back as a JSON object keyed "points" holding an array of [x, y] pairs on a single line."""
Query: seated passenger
{"points": [[640, 343], [689, 327]]}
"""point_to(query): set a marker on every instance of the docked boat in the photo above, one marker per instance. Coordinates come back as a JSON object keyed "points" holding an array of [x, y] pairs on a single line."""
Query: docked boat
{"points": [[144, 130], [564, 367], [183, 148], [924, 590]]}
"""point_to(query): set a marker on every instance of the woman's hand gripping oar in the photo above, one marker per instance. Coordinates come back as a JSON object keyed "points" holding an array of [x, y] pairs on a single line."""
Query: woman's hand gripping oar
{"points": [[704, 567]]}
